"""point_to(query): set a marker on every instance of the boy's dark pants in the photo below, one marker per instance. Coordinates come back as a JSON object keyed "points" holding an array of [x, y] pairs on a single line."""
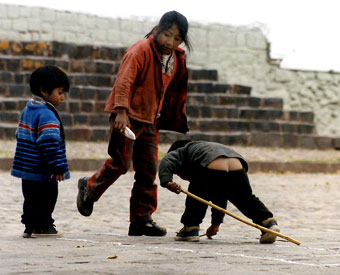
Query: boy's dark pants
{"points": [[220, 187], [40, 199], [144, 154]]}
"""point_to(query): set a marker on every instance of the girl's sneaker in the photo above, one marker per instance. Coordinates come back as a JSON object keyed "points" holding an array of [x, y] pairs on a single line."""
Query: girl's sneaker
{"points": [[46, 232], [188, 234], [267, 237]]}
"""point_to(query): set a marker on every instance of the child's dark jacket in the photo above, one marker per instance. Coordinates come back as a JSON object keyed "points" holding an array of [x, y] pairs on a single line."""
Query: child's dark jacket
{"points": [[139, 89], [192, 158], [40, 149]]}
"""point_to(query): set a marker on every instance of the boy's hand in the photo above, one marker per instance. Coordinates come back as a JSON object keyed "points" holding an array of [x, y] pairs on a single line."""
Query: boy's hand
{"points": [[58, 177], [212, 230], [174, 187]]}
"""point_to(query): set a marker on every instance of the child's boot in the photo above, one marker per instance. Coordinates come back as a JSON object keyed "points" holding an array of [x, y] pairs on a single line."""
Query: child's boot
{"points": [[28, 232], [49, 231], [150, 228], [188, 234], [267, 237], [84, 204]]}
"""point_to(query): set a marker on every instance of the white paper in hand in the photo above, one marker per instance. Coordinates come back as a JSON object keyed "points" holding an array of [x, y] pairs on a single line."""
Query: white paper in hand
{"points": [[129, 134]]}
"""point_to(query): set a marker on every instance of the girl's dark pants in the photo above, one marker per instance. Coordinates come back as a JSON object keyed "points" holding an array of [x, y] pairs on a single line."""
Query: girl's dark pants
{"points": [[40, 199], [143, 152], [220, 187]]}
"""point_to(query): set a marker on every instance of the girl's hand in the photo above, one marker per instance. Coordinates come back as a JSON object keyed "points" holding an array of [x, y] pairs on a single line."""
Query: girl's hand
{"points": [[212, 230], [174, 187], [58, 177], [121, 120]]}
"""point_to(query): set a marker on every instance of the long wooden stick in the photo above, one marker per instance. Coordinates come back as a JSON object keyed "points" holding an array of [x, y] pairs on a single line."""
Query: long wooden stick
{"points": [[240, 219]]}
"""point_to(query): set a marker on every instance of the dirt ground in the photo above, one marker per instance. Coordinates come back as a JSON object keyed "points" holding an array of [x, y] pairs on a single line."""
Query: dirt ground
{"points": [[306, 206]]}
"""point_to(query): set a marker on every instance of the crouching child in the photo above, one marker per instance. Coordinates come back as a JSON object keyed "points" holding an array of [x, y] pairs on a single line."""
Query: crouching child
{"points": [[218, 174]]}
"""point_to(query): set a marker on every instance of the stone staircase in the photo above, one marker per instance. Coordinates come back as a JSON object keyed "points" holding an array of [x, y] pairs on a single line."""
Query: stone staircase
{"points": [[216, 111]]}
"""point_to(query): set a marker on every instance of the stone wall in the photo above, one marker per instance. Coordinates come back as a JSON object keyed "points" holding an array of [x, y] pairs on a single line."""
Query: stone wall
{"points": [[240, 54]]}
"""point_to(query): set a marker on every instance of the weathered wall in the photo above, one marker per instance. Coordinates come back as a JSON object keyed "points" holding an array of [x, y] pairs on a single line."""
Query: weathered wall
{"points": [[240, 54]]}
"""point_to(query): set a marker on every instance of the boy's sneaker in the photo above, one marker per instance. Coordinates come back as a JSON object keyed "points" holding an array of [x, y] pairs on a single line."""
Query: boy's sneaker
{"points": [[148, 229], [267, 237], [27, 233], [46, 232], [188, 234], [85, 207]]}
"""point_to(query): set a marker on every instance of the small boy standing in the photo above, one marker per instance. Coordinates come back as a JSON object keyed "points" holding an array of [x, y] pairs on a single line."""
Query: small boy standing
{"points": [[40, 156], [216, 173]]}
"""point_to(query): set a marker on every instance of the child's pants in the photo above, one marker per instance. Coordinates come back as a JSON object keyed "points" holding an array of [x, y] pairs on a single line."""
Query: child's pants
{"points": [[144, 154], [220, 187], [40, 199]]}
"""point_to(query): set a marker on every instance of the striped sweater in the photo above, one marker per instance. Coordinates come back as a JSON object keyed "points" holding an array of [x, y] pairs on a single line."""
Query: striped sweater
{"points": [[40, 150]]}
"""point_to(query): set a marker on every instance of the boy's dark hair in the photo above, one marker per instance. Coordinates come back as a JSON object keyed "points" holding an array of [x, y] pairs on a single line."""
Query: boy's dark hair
{"points": [[171, 18], [178, 144], [47, 78]]}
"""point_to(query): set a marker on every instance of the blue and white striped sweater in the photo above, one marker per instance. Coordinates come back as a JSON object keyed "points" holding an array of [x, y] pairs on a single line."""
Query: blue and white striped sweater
{"points": [[40, 149]]}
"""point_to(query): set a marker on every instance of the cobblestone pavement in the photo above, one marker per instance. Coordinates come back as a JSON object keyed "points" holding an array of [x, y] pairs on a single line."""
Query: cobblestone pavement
{"points": [[306, 206]]}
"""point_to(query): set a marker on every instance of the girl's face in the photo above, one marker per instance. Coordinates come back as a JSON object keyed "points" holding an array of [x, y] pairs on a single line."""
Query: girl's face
{"points": [[168, 40], [55, 98]]}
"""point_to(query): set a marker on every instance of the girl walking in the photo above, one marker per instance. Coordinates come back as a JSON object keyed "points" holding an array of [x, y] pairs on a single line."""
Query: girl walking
{"points": [[149, 94]]}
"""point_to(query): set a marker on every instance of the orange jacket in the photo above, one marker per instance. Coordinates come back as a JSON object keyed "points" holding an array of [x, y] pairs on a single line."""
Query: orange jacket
{"points": [[139, 89]]}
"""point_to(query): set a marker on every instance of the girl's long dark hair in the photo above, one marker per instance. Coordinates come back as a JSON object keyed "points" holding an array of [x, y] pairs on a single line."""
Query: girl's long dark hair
{"points": [[174, 18]]}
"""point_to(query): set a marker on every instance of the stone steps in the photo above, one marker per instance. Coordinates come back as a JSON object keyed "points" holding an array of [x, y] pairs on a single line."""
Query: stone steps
{"points": [[195, 124], [194, 112], [216, 111], [27, 64], [11, 79]]}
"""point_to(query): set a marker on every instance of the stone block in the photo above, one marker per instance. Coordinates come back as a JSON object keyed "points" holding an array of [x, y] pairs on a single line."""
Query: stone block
{"points": [[260, 126], [323, 142], [75, 92], [336, 143], [219, 112], [290, 140], [99, 106], [205, 111], [21, 78], [59, 49], [74, 107], [80, 119], [253, 101], [239, 89], [98, 120], [18, 90], [87, 106], [273, 102], [100, 134], [104, 68], [235, 139], [288, 128], [88, 94], [10, 117], [103, 93], [307, 116], [79, 134], [307, 142], [192, 111], [20, 25], [13, 65], [67, 119], [306, 128]]}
